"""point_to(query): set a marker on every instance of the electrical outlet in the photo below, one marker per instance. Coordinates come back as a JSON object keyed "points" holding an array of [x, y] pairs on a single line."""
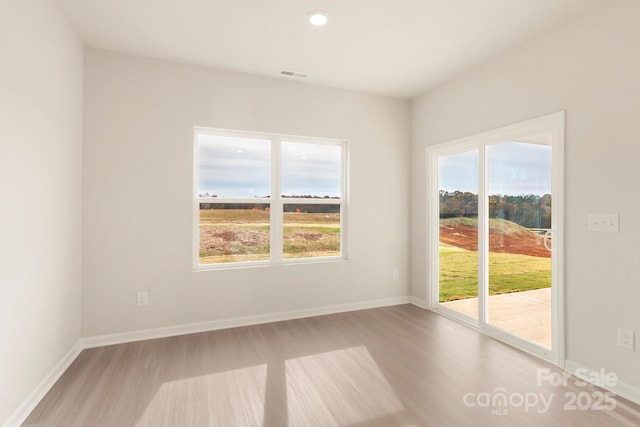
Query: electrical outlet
{"points": [[396, 274], [626, 338], [143, 299]]}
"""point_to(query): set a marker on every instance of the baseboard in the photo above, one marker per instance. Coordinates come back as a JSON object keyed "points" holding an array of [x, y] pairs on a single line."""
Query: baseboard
{"points": [[120, 338], [418, 302], [622, 389], [23, 411], [21, 414]]}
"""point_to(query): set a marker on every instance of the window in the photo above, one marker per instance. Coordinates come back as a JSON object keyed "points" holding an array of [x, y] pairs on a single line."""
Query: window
{"points": [[267, 199]]}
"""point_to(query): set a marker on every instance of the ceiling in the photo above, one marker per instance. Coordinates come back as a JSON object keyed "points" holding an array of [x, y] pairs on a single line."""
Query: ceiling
{"points": [[398, 48]]}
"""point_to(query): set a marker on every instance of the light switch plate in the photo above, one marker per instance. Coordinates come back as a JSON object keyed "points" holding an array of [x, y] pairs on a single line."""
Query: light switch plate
{"points": [[607, 223]]}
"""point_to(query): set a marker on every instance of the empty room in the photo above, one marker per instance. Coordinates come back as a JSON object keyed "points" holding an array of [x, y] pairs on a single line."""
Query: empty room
{"points": [[319, 213]]}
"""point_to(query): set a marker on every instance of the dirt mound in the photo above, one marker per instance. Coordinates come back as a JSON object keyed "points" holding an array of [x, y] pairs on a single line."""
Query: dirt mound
{"points": [[504, 236]]}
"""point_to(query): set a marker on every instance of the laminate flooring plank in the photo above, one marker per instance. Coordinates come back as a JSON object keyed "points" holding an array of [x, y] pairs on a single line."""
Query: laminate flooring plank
{"points": [[392, 366]]}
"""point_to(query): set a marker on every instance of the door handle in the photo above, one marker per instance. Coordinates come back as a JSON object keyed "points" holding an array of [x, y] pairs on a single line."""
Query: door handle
{"points": [[546, 238]]}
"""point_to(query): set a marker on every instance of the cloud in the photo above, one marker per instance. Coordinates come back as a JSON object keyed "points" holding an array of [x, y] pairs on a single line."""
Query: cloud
{"points": [[241, 167], [234, 167], [459, 172], [518, 168], [515, 168], [311, 169]]}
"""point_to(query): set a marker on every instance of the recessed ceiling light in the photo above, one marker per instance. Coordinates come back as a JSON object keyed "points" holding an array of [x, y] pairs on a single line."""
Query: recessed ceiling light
{"points": [[318, 18]]}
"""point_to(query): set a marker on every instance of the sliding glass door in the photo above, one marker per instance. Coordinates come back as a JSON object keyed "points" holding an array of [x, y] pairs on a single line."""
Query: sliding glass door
{"points": [[495, 229]]}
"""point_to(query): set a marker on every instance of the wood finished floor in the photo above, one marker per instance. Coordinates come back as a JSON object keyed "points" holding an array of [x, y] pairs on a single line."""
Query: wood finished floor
{"points": [[393, 366]]}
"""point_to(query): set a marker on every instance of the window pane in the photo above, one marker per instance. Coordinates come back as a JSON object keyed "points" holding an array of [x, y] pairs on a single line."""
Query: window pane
{"points": [[311, 170], [233, 167], [311, 230], [519, 204], [458, 237], [231, 232]]}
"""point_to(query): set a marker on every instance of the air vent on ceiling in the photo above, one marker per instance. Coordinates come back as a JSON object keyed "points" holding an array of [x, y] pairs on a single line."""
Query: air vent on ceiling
{"points": [[295, 74]]}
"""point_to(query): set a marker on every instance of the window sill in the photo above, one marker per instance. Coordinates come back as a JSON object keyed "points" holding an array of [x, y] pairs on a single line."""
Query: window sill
{"points": [[263, 264]]}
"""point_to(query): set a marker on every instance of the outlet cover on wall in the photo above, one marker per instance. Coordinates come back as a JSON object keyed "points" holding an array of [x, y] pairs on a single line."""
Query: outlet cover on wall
{"points": [[143, 298], [626, 338]]}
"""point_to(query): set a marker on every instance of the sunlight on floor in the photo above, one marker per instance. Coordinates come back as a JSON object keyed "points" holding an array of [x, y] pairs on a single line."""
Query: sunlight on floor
{"points": [[342, 387], [236, 395], [336, 388]]}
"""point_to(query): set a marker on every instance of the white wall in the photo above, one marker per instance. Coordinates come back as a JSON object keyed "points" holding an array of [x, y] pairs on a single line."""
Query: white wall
{"points": [[139, 119], [591, 69], [40, 193]]}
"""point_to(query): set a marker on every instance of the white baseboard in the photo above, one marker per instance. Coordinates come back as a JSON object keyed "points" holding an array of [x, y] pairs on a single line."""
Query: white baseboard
{"points": [[21, 414], [191, 328], [23, 411], [418, 302], [622, 389]]}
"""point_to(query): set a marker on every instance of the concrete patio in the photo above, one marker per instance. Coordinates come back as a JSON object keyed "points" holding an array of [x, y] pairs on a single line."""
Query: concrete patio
{"points": [[525, 314]]}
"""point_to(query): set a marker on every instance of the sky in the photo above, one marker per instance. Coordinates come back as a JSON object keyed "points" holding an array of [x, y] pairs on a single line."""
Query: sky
{"points": [[241, 167], [514, 169], [313, 169]]}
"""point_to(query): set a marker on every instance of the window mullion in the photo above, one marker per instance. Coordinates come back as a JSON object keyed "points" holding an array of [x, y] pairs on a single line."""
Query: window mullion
{"points": [[483, 238], [276, 202], [344, 196]]}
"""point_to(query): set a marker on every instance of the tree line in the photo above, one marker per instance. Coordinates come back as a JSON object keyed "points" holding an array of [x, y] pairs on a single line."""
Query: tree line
{"points": [[527, 210], [287, 207]]}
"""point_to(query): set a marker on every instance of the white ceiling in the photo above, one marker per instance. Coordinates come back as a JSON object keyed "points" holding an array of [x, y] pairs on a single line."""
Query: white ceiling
{"points": [[392, 47]]}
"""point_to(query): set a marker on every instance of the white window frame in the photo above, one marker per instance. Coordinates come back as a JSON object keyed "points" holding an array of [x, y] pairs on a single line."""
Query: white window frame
{"points": [[549, 128], [276, 202]]}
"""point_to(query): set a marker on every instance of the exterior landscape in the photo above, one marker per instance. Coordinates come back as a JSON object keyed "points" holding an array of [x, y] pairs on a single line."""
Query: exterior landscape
{"points": [[518, 258], [231, 233]]}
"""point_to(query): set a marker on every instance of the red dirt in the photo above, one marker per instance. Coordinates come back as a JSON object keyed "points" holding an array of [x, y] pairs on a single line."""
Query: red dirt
{"points": [[466, 237]]}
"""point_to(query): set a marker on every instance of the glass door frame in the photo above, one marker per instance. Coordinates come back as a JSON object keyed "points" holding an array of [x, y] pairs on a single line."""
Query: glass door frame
{"points": [[546, 130]]}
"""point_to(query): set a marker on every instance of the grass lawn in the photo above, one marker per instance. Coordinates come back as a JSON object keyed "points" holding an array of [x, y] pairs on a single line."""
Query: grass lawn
{"points": [[228, 235], [507, 273]]}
